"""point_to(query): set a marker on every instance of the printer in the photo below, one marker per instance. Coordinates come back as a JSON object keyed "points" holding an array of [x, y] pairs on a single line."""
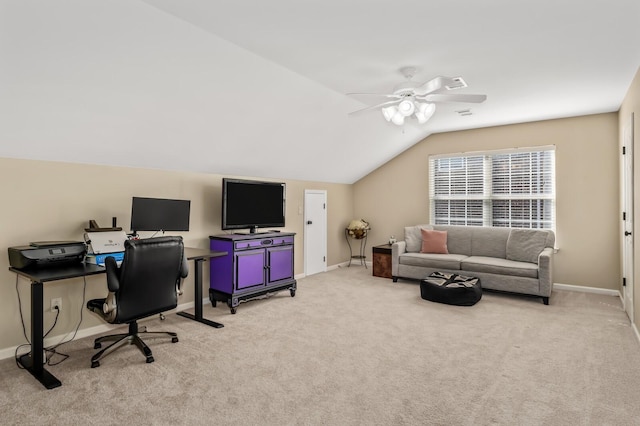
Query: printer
{"points": [[47, 254]]}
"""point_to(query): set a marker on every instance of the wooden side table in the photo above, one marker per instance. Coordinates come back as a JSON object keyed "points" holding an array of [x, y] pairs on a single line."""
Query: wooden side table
{"points": [[382, 261]]}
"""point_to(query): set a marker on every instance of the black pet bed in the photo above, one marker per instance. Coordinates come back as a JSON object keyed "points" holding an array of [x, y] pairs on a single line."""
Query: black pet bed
{"points": [[452, 289]]}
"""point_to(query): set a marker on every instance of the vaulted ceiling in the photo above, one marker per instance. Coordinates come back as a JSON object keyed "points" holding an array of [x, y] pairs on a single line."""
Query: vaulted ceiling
{"points": [[258, 88]]}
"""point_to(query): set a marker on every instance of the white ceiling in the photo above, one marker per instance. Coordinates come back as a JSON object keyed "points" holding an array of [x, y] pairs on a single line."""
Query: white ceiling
{"points": [[257, 88]]}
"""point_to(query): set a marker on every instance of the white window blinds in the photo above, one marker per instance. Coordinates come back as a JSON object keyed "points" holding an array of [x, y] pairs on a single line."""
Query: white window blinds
{"points": [[513, 188]]}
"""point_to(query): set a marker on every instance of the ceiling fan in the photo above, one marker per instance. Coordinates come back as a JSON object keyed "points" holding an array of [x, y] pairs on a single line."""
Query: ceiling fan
{"points": [[418, 99]]}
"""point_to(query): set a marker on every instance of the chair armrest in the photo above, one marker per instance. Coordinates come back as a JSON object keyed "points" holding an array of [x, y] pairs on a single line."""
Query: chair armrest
{"points": [[113, 274], [184, 272], [184, 268]]}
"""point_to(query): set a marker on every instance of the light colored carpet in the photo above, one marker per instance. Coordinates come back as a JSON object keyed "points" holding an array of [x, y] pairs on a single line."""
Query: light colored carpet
{"points": [[352, 349]]}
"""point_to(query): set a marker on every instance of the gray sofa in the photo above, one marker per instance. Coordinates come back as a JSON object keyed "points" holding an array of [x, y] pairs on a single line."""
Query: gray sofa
{"points": [[506, 259]]}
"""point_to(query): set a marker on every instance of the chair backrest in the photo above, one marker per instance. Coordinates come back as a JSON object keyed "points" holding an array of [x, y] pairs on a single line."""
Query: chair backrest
{"points": [[149, 277]]}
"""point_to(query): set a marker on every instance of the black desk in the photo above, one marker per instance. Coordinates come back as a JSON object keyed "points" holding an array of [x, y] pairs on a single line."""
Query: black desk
{"points": [[34, 360], [199, 256]]}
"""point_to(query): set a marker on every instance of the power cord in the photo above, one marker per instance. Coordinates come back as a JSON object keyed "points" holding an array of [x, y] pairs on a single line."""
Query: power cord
{"points": [[51, 350], [24, 329]]}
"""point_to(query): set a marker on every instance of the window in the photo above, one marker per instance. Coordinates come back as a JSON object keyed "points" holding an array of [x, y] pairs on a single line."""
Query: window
{"points": [[514, 188]]}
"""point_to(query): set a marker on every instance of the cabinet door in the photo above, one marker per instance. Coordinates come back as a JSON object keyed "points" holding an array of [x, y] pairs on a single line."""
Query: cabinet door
{"points": [[280, 263], [250, 268]]}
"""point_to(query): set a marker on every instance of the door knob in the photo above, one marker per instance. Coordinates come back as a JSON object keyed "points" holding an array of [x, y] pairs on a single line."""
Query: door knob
{"points": [[309, 222]]}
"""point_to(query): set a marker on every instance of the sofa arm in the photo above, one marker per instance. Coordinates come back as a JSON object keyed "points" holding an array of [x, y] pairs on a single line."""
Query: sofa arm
{"points": [[397, 249], [545, 271]]}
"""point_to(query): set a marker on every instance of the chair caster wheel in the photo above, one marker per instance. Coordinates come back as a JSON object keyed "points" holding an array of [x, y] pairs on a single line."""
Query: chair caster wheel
{"points": [[174, 340], [95, 364], [150, 359], [97, 345], [162, 317]]}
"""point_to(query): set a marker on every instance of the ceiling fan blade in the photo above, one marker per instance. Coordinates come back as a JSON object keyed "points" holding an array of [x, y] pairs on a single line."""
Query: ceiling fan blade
{"points": [[442, 97], [376, 106], [383, 95], [431, 86]]}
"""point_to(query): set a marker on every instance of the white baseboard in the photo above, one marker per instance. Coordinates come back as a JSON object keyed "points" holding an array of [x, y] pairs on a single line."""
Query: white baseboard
{"points": [[86, 332], [329, 268], [584, 289], [338, 265], [636, 332]]}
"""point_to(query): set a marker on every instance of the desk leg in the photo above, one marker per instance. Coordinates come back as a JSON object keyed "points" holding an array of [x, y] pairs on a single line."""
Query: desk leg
{"points": [[198, 298], [34, 361]]}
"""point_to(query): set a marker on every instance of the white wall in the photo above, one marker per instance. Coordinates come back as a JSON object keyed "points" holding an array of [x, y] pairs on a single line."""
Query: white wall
{"points": [[120, 82]]}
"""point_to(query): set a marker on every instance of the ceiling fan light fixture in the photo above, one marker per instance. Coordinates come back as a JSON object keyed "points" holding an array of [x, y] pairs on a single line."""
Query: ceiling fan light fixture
{"points": [[425, 111], [406, 108], [389, 112], [410, 98], [398, 119]]}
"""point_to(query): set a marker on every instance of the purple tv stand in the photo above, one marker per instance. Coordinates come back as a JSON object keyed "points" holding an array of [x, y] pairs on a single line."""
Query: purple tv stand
{"points": [[255, 265]]}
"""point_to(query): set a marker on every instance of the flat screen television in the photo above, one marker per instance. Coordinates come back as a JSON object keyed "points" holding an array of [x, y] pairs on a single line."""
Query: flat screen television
{"points": [[159, 214], [252, 204]]}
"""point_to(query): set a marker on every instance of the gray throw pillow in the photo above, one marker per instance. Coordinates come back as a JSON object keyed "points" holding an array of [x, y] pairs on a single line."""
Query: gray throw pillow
{"points": [[525, 245], [413, 237]]}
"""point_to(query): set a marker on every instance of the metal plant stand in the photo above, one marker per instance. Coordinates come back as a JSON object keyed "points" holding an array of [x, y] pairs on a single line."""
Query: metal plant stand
{"points": [[363, 243]]}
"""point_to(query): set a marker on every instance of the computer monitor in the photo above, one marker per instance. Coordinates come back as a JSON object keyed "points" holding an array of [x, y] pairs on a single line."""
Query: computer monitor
{"points": [[159, 214]]}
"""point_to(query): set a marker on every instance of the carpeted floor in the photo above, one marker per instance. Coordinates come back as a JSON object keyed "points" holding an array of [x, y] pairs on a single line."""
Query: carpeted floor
{"points": [[352, 349]]}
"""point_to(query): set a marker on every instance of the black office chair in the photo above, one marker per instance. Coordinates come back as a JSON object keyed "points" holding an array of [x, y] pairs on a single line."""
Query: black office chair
{"points": [[147, 283]]}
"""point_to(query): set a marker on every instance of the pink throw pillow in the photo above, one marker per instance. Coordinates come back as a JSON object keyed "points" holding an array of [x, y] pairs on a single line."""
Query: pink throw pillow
{"points": [[434, 241]]}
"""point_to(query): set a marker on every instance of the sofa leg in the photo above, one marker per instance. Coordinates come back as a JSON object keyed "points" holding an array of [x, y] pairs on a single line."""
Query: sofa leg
{"points": [[395, 279], [545, 300]]}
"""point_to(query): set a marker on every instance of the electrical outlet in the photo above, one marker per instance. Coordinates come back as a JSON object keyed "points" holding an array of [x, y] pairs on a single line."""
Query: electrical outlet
{"points": [[56, 302]]}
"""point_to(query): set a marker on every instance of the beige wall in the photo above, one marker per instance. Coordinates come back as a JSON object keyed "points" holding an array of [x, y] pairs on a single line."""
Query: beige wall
{"points": [[54, 201], [631, 106], [51, 200], [396, 194]]}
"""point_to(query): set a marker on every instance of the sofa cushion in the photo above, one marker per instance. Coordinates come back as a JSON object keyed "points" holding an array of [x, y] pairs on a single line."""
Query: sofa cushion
{"points": [[458, 238], [434, 241], [525, 245], [489, 241], [494, 265], [427, 260], [413, 237]]}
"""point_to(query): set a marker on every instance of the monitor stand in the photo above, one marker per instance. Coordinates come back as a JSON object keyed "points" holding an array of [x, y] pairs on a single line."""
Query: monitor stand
{"points": [[253, 231]]}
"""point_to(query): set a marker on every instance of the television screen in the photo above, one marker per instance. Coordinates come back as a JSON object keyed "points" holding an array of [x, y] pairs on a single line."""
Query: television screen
{"points": [[159, 214], [252, 204]]}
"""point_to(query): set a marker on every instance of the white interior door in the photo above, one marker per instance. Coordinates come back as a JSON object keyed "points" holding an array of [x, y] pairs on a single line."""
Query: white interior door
{"points": [[315, 231], [627, 216]]}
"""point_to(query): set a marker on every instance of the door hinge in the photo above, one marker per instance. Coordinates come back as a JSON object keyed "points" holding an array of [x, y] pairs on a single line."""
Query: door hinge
{"points": [[324, 206], [624, 282], [324, 258], [624, 150], [624, 215]]}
